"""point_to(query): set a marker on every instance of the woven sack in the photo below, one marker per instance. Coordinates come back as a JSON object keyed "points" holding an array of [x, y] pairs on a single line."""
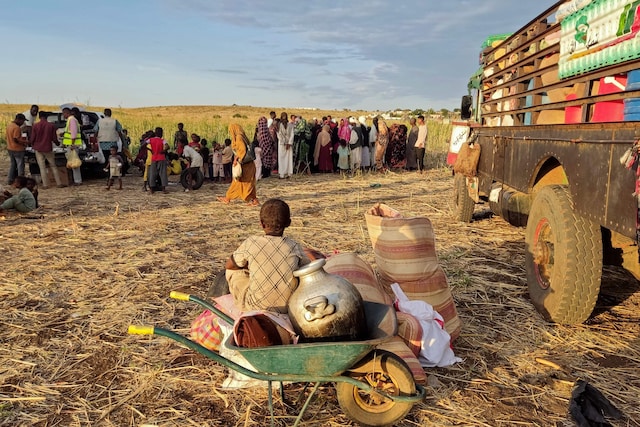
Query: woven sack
{"points": [[467, 161], [405, 253], [404, 248]]}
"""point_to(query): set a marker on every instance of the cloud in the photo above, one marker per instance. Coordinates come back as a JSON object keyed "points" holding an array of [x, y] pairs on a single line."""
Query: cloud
{"points": [[226, 71]]}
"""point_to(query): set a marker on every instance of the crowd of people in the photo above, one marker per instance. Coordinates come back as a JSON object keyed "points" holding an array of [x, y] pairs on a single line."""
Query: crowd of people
{"points": [[281, 146]]}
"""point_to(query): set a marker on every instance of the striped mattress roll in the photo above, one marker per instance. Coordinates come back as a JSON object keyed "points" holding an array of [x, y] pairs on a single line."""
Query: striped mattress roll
{"points": [[360, 274], [397, 346], [410, 331], [434, 290]]}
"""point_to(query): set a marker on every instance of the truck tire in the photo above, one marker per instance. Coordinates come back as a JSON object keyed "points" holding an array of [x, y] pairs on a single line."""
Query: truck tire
{"points": [[463, 204], [563, 258]]}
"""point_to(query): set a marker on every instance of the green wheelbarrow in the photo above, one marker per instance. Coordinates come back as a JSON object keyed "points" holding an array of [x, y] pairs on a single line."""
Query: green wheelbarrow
{"points": [[374, 387]]}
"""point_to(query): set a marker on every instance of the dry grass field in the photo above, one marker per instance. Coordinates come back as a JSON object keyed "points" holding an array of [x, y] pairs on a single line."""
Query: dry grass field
{"points": [[90, 262]]}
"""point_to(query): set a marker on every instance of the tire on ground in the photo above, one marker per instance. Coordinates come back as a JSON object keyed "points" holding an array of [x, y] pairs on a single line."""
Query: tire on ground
{"points": [[462, 202], [384, 371], [563, 258], [197, 183]]}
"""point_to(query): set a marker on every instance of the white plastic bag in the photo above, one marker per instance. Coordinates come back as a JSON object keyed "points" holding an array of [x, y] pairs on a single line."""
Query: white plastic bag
{"points": [[236, 170], [100, 156], [436, 342]]}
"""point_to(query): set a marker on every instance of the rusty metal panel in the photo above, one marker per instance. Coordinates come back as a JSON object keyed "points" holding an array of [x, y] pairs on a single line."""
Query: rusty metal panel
{"points": [[589, 155]]}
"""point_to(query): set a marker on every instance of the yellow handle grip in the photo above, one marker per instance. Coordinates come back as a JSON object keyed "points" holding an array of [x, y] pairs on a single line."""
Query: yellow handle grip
{"points": [[140, 330], [179, 296]]}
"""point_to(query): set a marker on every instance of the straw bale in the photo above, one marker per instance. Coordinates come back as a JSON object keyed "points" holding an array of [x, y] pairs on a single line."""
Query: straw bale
{"points": [[91, 262]]}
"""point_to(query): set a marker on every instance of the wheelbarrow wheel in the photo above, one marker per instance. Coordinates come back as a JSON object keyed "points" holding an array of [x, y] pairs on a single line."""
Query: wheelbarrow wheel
{"points": [[385, 372]]}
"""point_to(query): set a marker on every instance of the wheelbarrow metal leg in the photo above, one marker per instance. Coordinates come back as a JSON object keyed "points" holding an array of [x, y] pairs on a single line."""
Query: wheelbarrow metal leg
{"points": [[269, 383], [306, 404]]}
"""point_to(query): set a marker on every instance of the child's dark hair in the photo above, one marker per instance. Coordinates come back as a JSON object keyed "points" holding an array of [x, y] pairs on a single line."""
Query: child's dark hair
{"points": [[343, 142], [22, 181], [227, 141], [275, 216]]}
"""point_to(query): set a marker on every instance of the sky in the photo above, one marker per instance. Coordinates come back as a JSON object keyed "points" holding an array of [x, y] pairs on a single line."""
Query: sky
{"points": [[355, 54]]}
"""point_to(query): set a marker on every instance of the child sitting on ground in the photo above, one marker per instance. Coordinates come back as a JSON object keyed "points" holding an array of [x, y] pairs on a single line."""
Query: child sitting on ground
{"points": [[114, 167], [32, 185], [260, 271], [22, 202]]}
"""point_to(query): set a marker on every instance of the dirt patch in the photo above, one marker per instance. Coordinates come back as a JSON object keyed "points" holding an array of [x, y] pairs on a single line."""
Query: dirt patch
{"points": [[90, 262]]}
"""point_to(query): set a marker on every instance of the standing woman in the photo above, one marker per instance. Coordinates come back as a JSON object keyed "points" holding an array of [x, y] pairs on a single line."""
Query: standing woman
{"points": [[322, 150], [285, 147], [268, 147], [381, 145], [243, 188], [344, 131]]}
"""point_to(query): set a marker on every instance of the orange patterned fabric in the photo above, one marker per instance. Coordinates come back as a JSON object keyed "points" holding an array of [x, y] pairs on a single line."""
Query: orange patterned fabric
{"points": [[205, 330]]}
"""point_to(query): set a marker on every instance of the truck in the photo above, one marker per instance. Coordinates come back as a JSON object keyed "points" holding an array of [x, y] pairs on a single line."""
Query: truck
{"points": [[553, 111]]}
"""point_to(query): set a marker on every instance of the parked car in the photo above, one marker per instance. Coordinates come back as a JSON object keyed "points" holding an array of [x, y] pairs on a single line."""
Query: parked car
{"points": [[89, 153]]}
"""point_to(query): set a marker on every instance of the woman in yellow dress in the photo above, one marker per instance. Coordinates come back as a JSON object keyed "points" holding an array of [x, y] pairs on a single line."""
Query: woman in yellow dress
{"points": [[243, 188]]}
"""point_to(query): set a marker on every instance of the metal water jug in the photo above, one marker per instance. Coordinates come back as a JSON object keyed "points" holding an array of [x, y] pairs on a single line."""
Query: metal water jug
{"points": [[326, 307]]}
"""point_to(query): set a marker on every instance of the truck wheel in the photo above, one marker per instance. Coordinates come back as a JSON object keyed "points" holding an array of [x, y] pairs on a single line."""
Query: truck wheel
{"points": [[463, 204], [563, 258], [385, 372]]}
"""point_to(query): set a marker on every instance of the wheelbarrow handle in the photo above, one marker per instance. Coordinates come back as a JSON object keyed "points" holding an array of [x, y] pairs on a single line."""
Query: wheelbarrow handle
{"points": [[141, 330], [181, 296]]}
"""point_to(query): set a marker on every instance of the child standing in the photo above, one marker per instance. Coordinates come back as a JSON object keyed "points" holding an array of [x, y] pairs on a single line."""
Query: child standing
{"points": [[227, 159], [218, 167], [260, 271], [114, 166], [343, 157]]}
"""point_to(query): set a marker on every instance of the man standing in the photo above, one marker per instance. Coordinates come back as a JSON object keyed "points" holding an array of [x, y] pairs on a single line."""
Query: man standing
{"points": [[109, 132], [43, 136], [410, 151], [195, 163], [421, 143], [272, 117], [16, 144], [30, 119], [72, 140]]}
